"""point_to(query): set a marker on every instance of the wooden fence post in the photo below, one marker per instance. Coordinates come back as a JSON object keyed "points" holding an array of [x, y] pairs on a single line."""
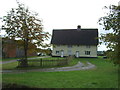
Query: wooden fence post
{"points": [[67, 61], [40, 62], [18, 63]]}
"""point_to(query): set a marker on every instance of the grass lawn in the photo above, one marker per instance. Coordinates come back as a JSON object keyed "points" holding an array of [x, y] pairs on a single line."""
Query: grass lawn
{"points": [[104, 76], [8, 59], [13, 65]]}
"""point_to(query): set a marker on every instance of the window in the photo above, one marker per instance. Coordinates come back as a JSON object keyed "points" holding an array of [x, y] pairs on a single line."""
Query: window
{"points": [[87, 52], [88, 46], [58, 45], [69, 52], [69, 46], [57, 52]]}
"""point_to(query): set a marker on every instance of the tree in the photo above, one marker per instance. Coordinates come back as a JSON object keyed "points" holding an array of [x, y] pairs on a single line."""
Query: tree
{"points": [[24, 25], [112, 22], [47, 51]]}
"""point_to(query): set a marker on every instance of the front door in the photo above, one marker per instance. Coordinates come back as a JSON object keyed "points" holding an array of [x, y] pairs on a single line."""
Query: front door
{"points": [[62, 53], [69, 52], [77, 53]]}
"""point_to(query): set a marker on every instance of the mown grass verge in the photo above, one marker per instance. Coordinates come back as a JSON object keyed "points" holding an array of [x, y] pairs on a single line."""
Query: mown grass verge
{"points": [[105, 75]]}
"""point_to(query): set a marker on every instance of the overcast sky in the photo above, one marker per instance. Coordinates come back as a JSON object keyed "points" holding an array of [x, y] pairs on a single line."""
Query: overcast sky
{"points": [[64, 14]]}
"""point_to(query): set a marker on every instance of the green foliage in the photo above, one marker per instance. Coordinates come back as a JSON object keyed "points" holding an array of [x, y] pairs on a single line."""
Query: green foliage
{"points": [[112, 22], [21, 23], [24, 25], [45, 51]]}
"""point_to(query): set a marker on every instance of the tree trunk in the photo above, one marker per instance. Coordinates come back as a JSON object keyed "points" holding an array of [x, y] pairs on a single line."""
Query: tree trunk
{"points": [[24, 62], [118, 76]]}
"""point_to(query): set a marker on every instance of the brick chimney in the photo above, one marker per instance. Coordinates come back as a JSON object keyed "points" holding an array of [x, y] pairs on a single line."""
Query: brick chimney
{"points": [[78, 27]]}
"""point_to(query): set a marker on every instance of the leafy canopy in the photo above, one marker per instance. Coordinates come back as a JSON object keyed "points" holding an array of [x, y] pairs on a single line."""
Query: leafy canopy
{"points": [[22, 24], [112, 22]]}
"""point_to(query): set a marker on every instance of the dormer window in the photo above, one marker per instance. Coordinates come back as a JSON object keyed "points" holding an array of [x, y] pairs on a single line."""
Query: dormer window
{"points": [[78, 27], [69, 46], [58, 45], [88, 46]]}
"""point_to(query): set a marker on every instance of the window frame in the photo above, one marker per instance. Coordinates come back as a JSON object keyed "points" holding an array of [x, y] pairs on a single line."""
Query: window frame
{"points": [[88, 46], [87, 52], [69, 46], [57, 52]]}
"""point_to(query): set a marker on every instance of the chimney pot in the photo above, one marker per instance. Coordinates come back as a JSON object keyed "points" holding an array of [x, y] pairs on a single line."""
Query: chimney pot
{"points": [[78, 27]]}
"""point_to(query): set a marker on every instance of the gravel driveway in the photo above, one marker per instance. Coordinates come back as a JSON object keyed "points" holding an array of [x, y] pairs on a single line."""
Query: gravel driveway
{"points": [[78, 66]]}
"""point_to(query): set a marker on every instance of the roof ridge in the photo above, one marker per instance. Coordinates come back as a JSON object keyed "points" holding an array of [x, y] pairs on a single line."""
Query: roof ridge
{"points": [[76, 29]]}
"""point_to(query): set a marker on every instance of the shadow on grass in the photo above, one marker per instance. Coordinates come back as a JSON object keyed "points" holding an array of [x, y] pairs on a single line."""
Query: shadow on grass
{"points": [[13, 85]]}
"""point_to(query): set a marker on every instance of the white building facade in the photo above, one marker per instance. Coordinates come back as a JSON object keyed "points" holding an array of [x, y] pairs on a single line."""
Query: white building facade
{"points": [[75, 50], [75, 42]]}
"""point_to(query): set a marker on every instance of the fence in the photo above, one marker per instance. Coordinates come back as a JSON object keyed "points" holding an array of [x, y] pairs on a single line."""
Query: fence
{"points": [[46, 63]]}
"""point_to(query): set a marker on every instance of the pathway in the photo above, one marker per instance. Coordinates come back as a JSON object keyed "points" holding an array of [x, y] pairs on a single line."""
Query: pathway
{"points": [[4, 62], [79, 66]]}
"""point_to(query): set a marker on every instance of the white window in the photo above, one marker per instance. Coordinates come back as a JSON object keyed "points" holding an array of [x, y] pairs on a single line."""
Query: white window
{"points": [[58, 45], [88, 46], [87, 52], [69, 52], [57, 52], [69, 46]]}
